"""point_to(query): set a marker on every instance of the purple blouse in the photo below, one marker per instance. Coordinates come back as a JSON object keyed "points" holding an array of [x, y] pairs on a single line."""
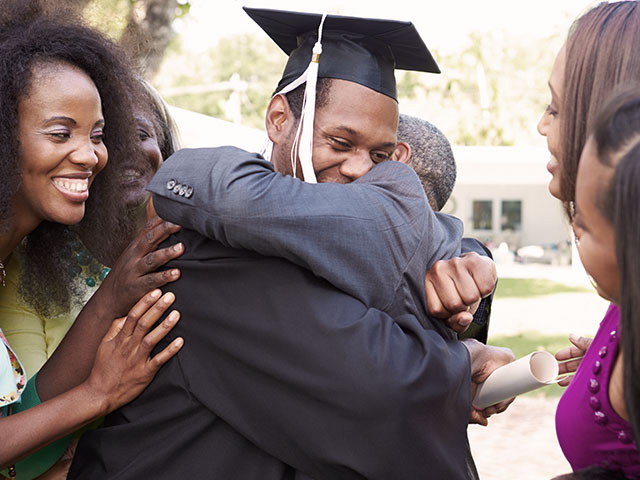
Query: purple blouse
{"points": [[589, 431]]}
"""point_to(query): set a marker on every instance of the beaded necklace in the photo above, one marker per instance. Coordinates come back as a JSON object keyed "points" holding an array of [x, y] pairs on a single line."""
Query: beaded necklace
{"points": [[92, 270], [87, 267]]}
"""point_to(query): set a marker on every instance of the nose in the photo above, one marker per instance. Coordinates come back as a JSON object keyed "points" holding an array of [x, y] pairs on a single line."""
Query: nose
{"points": [[356, 165], [543, 124], [85, 154]]}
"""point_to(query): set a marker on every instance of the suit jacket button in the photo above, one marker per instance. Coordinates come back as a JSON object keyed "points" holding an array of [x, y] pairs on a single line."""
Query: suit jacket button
{"points": [[189, 192], [183, 190], [177, 188], [170, 184]]}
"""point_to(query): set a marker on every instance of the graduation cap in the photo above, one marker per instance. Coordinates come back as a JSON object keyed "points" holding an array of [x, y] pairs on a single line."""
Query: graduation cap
{"points": [[361, 50]]}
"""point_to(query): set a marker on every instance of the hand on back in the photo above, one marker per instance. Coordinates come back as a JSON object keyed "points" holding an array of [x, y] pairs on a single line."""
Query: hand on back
{"points": [[134, 273], [123, 366]]}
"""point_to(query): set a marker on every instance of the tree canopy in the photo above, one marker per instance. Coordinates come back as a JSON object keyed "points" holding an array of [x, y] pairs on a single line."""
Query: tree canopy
{"points": [[491, 91]]}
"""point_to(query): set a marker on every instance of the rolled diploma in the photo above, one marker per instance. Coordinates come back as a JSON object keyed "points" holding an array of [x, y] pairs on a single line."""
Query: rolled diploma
{"points": [[524, 375]]}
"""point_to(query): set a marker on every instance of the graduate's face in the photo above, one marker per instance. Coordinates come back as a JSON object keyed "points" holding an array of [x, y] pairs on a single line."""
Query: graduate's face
{"points": [[353, 131], [594, 234], [549, 124]]}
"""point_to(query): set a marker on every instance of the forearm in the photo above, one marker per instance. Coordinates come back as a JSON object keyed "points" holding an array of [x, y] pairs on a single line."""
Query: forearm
{"points": [[32, 429], [72, 361], [358, 236]]}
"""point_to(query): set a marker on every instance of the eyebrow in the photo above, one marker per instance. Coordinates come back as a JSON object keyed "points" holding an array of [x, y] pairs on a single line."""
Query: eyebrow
{"points": [[355, 133], [60, 117], [99, 122]]}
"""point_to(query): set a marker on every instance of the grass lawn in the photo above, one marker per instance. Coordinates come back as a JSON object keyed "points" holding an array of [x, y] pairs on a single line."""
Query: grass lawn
{"points": [[533, 287], [527, 342]]}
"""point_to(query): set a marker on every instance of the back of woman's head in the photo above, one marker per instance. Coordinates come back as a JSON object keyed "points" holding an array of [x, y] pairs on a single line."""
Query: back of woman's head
{"points": [[616, 132], [30, 37], [602, 53], [164, 124]]}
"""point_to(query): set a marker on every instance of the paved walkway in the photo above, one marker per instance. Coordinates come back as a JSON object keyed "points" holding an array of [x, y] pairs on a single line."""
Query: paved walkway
{"points": [[521, 444]]}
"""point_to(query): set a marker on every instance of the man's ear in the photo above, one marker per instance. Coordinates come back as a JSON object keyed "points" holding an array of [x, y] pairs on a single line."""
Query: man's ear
{"points": [[278, 119], [402, 153]]}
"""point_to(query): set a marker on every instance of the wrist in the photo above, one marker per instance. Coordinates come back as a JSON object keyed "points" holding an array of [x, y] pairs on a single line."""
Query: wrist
{"points": [[94, 398], [100, 303], [474, 348]]}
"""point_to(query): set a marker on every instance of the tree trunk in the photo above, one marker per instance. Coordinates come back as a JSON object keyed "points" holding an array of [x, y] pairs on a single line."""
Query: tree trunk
{"points": [[148, 33]]}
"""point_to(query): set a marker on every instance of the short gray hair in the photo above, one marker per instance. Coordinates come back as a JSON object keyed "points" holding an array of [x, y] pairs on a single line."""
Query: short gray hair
{"points": [[431, 158]]}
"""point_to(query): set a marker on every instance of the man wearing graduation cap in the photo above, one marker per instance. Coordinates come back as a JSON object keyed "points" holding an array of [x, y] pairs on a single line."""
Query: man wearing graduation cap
{"points": [[282, 375]]}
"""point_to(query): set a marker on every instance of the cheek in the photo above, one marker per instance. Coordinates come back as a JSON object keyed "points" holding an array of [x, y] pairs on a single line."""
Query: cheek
{"points": [[553, 137], [103, 158], [152, 153], [600, 263], [32, 166], [323, 157], [611, 287]]}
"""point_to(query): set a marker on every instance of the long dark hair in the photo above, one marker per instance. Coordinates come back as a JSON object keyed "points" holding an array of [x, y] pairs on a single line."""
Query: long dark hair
{"points": [[601, 53], [617, 136], [29, 37]]}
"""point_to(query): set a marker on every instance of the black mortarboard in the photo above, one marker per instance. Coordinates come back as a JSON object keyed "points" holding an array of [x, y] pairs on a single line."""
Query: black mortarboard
{"points": [[362, 50]]}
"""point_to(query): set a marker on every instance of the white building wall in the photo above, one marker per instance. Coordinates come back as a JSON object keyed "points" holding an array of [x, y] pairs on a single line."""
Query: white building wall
{"points": [[508, 173], [542, 216]]}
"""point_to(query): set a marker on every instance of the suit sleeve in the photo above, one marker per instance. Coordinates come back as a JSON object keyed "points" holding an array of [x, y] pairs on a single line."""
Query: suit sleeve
{"points": [[479, 328], [318, 380], [358, 236]]}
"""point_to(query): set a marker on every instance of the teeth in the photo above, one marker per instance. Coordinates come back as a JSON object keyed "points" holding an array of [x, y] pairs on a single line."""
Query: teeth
{"points": [[75, 186]]}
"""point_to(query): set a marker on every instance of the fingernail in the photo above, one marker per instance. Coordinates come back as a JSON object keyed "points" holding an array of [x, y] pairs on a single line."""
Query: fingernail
{"points": [[169, 297], [175, 272], [178, 342], [178, 247], [464, 322], [155, 293], [173, 317]]}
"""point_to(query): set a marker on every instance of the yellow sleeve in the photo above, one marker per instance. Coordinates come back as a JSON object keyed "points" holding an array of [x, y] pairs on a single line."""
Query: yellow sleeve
{"points": [[32, 337], [23, 328]]}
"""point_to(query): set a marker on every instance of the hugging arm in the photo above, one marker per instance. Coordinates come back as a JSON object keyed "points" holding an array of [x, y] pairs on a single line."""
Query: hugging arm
{"points": [[358, 236]]}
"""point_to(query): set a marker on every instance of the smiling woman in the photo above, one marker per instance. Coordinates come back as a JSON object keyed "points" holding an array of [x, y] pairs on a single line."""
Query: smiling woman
{"points": [[62, 145], [68, 96], [48, 88]]}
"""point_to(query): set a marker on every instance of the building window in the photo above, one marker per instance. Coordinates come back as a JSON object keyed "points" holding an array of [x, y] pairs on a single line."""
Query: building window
{"points": [[482, 214], [511, 215]]}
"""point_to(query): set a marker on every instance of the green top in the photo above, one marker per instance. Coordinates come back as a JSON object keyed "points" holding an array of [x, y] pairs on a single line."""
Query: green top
{"points": [[41, 461]]}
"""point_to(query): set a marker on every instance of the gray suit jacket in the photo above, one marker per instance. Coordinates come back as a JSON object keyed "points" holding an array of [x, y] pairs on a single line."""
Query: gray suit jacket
{"points": [[374, 238], [283, 376]]}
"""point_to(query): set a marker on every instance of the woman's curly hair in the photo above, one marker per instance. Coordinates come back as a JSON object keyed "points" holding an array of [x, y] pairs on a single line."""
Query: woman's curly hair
{"points": [[31, 37]]}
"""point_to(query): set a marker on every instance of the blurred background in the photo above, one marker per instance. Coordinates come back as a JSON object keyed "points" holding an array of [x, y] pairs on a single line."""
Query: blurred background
{"points": [[208, 57], [217, 70]]}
